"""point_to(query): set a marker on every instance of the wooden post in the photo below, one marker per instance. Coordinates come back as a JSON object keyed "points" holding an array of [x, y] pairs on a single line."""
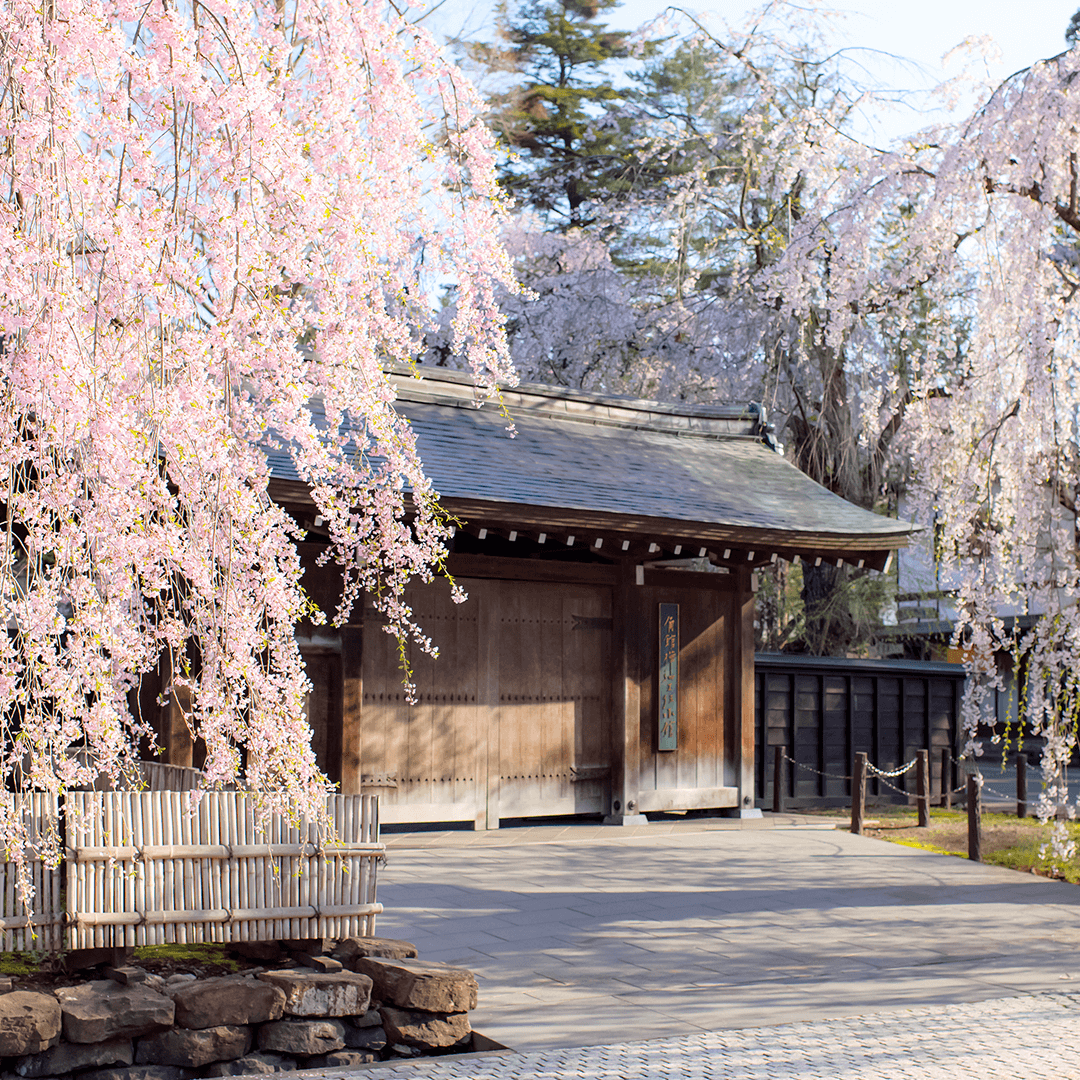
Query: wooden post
{"points": [[858, 793], [1021, 785], [175, 731], [778, 779], [946, 777], [922, 787], [974, 809], [626, 695]]}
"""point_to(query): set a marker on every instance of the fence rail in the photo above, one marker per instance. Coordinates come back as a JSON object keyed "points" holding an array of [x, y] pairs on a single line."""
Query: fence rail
{"points": [[141, 868]]}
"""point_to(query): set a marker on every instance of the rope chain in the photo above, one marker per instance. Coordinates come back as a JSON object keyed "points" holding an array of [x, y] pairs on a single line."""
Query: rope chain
{"points": [[882, 776], [810, 768], [893, 772]]}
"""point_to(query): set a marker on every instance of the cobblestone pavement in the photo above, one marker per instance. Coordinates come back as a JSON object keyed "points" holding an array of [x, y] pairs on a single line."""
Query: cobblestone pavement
{"points": [[585, 936], [1021, 1038]]}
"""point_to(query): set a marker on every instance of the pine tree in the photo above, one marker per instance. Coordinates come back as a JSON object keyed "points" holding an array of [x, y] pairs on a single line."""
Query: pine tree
{"points": [[558, 113]]}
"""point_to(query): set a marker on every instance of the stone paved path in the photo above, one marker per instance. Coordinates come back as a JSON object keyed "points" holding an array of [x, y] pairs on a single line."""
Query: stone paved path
{"points": [[1021, 1038], [583, 936]]}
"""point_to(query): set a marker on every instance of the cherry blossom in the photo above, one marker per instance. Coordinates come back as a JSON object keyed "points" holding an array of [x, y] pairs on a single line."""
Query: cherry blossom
{"points": [[215, 215]]}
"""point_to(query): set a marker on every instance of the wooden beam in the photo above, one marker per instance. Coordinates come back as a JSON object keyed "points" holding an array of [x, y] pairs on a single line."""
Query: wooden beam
{"points": [[689, 579], [492, 566], [352, 698], [873, 550], [520, 515], [489, 752]]}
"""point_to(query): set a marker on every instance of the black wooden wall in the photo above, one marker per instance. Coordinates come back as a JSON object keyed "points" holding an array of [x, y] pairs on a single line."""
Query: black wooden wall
{"points": [[825, 711]]}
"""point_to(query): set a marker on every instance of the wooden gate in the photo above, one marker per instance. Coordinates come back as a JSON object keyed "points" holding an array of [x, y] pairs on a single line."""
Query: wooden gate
{"points": [[512, 720]]}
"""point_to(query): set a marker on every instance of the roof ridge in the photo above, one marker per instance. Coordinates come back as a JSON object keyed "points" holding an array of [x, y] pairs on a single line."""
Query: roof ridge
{"points": [[437, 386]]}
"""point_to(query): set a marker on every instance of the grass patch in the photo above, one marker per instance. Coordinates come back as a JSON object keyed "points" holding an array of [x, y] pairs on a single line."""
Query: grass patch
{"points": [[1007, 840], [20, 963], [205, 953]]}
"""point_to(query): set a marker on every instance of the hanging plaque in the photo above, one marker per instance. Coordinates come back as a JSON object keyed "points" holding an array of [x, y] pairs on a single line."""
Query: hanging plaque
{"points": [[668, 705]]}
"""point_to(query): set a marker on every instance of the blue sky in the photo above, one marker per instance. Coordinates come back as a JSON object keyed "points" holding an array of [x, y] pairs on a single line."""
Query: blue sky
{"points": [[919, 30]]}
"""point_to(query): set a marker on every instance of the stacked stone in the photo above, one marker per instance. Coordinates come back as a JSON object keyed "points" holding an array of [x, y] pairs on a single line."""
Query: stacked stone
{"points": [[422, 1006], [318, 1016]]}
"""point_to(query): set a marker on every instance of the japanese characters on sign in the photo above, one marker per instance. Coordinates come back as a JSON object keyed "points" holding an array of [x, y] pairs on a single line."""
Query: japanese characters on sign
{"points": [[668, 703]]}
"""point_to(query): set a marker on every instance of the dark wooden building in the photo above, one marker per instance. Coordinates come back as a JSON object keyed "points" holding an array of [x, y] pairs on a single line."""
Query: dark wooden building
{"points": [[604, 661]]}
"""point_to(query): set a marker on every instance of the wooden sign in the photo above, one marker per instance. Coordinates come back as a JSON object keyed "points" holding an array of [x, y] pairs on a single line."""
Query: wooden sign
{"points": [[668, 704]]}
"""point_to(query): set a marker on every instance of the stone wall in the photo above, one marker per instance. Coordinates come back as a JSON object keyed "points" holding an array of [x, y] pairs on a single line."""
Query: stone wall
{"points": [[349, 1003]]}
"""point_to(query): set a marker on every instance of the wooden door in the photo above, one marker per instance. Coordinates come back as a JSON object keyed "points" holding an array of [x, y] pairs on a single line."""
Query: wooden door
{"points": [[426, 760], [553, 713], [702, 771], [512, 720], [323, 710]]}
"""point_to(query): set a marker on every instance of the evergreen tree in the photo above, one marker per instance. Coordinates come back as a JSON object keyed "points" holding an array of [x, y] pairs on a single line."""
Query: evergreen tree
{"points": [[557, 114]]}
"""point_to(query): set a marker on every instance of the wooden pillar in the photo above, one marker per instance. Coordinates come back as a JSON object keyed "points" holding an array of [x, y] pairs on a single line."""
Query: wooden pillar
{"points": [[352, 697], [176, 739], [743, 681], [489, 763], [626, 695]]}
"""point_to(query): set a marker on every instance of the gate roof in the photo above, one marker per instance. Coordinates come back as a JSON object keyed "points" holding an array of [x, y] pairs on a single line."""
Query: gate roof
{"points": [[707, 475]]}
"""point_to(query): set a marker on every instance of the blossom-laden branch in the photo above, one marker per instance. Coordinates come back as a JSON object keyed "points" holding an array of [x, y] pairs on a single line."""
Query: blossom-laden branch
{"points": [[217, 222]]}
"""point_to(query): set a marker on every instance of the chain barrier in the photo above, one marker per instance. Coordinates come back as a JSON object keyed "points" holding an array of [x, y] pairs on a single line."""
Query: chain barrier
{"points": [[893, 772], [883, 776], [810, 768]]}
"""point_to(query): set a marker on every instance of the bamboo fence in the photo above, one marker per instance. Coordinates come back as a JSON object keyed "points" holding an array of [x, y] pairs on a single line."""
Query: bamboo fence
{"points": [[42, 926], [144, 868]]}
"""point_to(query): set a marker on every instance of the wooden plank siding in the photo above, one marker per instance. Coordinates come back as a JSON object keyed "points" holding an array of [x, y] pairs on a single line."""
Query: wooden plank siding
{"points": [[514, 722], [702, 771], [827, 710], [521, 714]]}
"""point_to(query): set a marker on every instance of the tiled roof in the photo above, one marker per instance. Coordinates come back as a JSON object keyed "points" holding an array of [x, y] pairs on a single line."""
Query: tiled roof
{"points": [[708, 465], [638, 461]]}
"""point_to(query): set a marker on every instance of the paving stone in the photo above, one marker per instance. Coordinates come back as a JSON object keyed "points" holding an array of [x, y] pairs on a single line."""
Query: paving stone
{"points": [[312, 993], [194, 1048], [393, 948], [1020, 1038], [67, 1057], [102, 1010], [304, 1037], [231, 999], [367, 1038], [424, 1030], [418, 984], [257, 1064], [29, 1022]]}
